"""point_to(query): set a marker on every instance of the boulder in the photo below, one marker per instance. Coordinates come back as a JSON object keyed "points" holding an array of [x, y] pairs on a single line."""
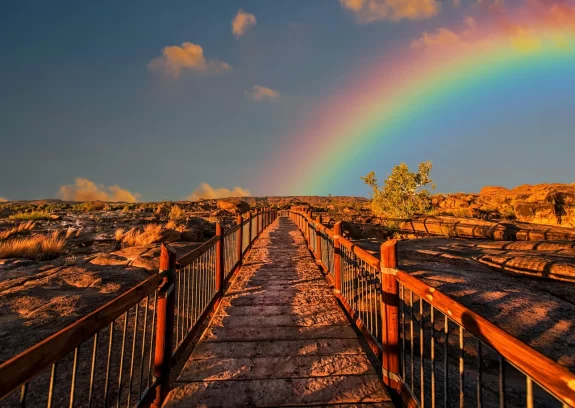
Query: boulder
{"points": [[350, 231], [233, 206], [536, 213], [192, 235], [159, 235]]}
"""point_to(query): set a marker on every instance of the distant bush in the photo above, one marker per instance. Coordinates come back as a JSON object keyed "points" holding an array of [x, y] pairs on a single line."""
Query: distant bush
{"points": [[89, 206], [32, 215], [403, 194], [176, 213]]}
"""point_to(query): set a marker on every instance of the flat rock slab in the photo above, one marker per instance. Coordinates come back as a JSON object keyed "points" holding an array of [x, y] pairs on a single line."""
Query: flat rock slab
{"points": [[279, 338]]}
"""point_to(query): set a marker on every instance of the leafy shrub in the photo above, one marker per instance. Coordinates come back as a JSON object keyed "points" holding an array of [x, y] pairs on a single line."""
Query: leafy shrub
{"points": [[89, 206], [403, 194]]}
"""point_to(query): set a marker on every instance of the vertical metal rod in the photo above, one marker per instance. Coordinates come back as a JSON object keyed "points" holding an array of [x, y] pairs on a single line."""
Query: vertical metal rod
{"points": [[51, 388], [402, 304], [501, 382], [189, 317], [178, 309], [432, 318], [461, 368], [446, 363], [93, 369], [110, 343], [421, 350], [529, 386], [152, 339], [119, 396], [142, 354], [134, 338], [23, 393], [479, 375], [412, 358], [74, 372]]}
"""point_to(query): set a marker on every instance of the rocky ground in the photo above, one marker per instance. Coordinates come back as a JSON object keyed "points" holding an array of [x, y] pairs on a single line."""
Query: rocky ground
{"points": [[110, 247]]}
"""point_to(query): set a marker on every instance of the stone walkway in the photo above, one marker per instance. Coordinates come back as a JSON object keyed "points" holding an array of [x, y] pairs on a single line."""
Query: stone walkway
{"points": [[279, 338]]}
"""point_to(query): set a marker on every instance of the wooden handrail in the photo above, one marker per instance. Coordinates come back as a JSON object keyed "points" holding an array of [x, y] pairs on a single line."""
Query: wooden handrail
{"points": [[23, 367], [360, 252], [196, 253], [546, 372]]}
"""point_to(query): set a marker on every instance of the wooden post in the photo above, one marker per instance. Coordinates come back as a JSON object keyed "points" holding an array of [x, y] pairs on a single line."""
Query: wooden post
{"points": [[220, 260], [164, 324], [240, 234], [317, 238], [390, 315], [337, 257], [249, 229]]}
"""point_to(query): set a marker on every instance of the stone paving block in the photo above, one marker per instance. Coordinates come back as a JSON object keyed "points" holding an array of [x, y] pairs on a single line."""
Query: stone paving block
{"points": [[279, 392], [316, 347], [218, 369]]}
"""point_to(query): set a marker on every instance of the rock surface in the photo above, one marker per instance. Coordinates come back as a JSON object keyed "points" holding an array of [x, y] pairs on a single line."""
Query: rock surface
{"points": [[549, 204]]}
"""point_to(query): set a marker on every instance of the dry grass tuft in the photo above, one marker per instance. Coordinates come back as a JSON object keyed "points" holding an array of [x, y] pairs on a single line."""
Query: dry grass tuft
{"points": [[171, 224], [119, 234], [129, 238], [177, 213], [34, 247], [25, 226], [33, 215]]}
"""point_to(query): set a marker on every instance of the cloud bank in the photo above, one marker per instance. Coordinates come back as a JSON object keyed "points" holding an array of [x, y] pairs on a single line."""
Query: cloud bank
{"points": [[242, 22], [261, 93], [526, 30], [205, 191], [86, 190], [3, 200], [188, 56]]}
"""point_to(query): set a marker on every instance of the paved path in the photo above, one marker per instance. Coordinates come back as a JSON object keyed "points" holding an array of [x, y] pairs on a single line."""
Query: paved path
{"points": [[279, 338]]}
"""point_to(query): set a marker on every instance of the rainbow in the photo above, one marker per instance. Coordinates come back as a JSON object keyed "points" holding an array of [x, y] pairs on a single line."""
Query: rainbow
{"points": [[367, 111]]}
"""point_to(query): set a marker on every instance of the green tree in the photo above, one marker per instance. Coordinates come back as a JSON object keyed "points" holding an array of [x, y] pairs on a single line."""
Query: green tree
{"points": [[403, 194]]}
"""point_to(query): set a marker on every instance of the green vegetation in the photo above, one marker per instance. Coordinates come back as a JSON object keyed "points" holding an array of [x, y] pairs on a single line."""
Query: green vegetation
{"points": [[89, 206], [32, 215], [403, 194]]}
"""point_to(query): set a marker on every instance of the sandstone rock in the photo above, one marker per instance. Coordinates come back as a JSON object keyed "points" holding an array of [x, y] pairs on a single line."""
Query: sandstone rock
{"points": [[536, 212], [233, 206], [159, 235], [493, 190]]}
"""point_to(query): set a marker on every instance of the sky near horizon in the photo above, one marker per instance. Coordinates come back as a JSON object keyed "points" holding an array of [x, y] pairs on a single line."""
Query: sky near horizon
{"points": [[180, 99]]}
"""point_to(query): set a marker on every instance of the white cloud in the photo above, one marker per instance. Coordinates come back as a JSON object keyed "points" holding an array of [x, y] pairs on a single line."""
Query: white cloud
{"points": [[205, 191], [242, 22], [188, 56], [368, 11], [86, 190], [260, 93]]}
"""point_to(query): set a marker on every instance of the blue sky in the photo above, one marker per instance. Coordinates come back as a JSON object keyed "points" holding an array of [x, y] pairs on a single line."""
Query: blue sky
{"points": [[78, 99]]}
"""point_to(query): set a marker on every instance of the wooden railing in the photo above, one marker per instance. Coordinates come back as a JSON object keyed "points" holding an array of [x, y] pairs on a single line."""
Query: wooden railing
{"points": [[433, 350], [122, 353]]}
